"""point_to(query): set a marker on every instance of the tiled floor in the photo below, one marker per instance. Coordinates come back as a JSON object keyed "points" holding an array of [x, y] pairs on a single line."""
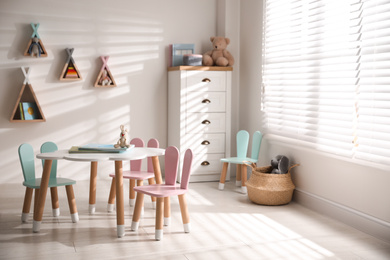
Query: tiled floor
{"points": [[225, 225]]}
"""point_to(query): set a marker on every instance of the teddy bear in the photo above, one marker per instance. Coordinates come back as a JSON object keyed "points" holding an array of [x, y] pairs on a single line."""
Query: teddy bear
{"points": [[219, 56]]}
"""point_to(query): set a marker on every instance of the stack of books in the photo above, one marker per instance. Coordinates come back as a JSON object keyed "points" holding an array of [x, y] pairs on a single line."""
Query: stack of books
{"points": [[98, 148], [177, 51]]}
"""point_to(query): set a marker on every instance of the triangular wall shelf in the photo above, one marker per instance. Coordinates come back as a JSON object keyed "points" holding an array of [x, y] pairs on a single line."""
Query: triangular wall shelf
{"points": [[35, 46], [27, 108], [105, 78], [70, 71]]}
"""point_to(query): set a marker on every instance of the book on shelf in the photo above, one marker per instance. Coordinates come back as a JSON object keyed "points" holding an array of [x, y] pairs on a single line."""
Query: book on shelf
{"points": [[30, 110], [98, 148], [178, 50], [21, 111]]}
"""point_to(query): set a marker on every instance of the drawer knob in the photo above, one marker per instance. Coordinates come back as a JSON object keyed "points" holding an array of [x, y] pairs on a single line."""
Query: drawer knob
{"points": [[206, 80], [207, 101], [205, 163], [205, 142], [206, 122]]}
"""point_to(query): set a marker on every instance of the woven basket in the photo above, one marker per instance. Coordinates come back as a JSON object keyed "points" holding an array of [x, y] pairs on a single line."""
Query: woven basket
{"points": [[266, 188]]}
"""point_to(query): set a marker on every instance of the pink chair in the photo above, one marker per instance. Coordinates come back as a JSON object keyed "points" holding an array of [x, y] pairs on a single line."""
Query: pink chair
{"points": [[164, 191], [135, 174]]}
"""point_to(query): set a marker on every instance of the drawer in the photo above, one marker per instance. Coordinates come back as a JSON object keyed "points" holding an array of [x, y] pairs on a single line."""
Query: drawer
{"points": [[205, 143], [206, 102], [206, 81], [207, 163], [205, 123]]}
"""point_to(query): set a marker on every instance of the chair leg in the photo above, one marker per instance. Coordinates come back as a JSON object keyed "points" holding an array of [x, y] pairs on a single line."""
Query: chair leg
{"points": [[72, 203], [238, 175], [36, 196], [159, 219], [151, 181], [132, 193], [27, 204], [184, 213], [111, 198], [141, 183], [137, 211], [243, 178], [54, 201], [167, 211], [221, 185]]}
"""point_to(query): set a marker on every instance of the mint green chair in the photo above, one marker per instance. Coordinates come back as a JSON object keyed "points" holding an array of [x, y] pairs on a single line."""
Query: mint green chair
{"points": [[27, 161], [242, 140]]}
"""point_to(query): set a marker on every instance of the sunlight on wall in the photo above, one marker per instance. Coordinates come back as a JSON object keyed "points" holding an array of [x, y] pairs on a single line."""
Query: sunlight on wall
{"points": [[76, 112]]}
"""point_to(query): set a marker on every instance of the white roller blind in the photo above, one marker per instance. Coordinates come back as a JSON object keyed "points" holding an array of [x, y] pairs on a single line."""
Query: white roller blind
{"points": [[326, 75]]}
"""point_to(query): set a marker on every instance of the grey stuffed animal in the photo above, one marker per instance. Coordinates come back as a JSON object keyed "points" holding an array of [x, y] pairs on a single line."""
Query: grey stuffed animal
{"points": [[280, 164]]}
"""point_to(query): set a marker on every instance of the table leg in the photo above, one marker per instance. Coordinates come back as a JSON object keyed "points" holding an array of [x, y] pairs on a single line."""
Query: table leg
{"points": [[157, 169], [120, 212], [92, 188], [38, 212]]}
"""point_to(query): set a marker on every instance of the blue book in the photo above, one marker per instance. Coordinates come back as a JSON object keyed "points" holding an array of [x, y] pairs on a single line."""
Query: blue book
{"points": [[103, 148], [30, 110], [178, 50]]}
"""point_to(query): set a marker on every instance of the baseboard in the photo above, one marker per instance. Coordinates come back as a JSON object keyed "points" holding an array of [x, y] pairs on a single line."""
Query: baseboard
{"points": [[359, 220]]}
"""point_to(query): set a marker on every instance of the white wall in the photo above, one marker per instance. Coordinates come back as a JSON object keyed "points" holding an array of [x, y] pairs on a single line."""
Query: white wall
{"points": [[354, 193], [135, 34]]}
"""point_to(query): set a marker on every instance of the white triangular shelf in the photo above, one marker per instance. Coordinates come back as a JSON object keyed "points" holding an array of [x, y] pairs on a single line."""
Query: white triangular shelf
{"points": [[26, 94], [104, 73], [70, 71], [31, 44]]}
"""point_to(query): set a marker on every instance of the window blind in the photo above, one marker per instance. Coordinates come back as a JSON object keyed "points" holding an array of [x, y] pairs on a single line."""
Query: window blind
{"points": [[326, 75]]}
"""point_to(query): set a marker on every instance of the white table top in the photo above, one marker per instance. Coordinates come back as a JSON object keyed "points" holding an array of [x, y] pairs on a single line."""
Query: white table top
{"points": [[132, 154]]}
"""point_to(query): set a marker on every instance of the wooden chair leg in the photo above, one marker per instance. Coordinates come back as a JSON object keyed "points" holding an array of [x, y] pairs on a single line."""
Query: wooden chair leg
{"points": [[132, 192], [137, 211], [72, 203], [243, 178], [159, 219], [238, 175], [151, 181], [36, 197], [223, 176], [184, 213], [111, 198], [167, 211], [27, 204], [55, 205], [141, 183]]}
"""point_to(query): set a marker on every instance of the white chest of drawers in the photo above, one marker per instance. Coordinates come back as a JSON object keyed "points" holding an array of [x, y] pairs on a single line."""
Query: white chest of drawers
{"points": [[199, 117]]}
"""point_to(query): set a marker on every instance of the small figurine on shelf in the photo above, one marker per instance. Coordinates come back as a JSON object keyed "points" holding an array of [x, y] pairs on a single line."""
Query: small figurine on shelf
{"points": [[105, 79], [124, 141], [35, 48]]}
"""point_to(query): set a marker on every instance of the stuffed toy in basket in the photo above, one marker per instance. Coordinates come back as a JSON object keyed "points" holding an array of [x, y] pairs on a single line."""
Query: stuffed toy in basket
{"points": [[267, 188]]}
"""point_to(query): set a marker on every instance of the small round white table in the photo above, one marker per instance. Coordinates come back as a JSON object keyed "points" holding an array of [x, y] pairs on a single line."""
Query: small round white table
{"points": [[132, 154]]}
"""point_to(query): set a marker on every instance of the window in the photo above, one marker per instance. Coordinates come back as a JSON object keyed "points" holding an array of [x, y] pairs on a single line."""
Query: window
{"points": [[326, 75]]}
